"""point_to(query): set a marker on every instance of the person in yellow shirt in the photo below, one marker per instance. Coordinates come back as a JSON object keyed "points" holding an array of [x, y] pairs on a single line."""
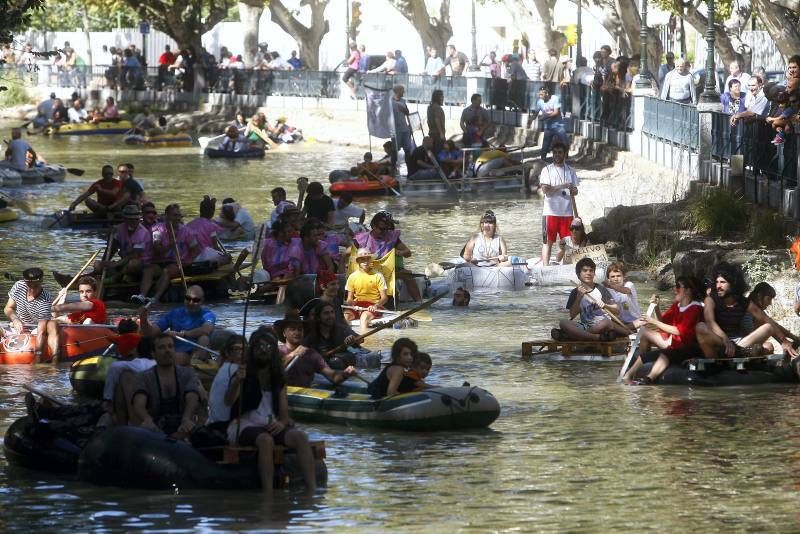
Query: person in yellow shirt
{"points": [[365, 288]]}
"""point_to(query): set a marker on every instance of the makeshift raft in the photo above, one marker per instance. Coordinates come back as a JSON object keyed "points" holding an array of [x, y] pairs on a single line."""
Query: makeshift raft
{"points": [[583, 351], [215, 284], [722, 372], [73, 220], [159, 140], [75, 342]]}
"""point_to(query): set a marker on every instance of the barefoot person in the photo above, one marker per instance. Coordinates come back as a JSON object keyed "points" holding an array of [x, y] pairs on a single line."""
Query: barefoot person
{"points": [[672, 333], [721, 329], [487, 248], [559, 183], [592, 302], [109, 194], [365, 288]]}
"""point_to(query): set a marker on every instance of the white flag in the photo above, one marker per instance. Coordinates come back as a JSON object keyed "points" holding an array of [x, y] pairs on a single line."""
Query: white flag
{"points": [[380, 121]]}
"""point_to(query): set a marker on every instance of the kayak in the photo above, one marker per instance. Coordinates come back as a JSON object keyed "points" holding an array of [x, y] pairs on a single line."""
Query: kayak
{"points": [[35, 175], [215, 153], [78, 220], [441, 408], [91, 128], [363, 186], [160, 140], [771, 371], [76, 342], [8, 215], [472, 277]]}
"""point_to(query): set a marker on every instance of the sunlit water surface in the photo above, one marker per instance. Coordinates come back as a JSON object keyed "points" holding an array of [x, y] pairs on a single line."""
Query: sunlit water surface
{"points": [[571, 450]]}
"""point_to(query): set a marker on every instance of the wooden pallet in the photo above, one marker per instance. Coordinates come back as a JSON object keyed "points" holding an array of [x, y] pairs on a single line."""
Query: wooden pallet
{"points": [[578, 350], [740, 363]]}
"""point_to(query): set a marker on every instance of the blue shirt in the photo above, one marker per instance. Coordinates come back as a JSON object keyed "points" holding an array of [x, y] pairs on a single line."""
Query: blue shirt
{"points": [[552, 103], [179, 319], [401, 66], [363, 63], [295, 63]]}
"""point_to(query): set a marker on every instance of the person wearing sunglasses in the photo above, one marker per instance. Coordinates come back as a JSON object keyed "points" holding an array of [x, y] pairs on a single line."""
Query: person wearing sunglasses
{"points": [[191, 322]]}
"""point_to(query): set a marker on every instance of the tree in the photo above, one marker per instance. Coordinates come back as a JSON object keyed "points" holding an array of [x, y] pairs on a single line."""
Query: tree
{"points": [[727, 46], [64, 15], [184, 20], [16, 16], [434, 31], [780, 19], [249, 15], [543, 25], [309, 38]]}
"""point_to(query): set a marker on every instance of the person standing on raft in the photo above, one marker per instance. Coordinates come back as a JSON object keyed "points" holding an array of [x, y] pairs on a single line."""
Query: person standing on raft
{"points": [[559, 183]]}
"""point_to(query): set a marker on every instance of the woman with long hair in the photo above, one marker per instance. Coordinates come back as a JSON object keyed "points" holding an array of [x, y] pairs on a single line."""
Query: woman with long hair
{"points": [[487, 248]]}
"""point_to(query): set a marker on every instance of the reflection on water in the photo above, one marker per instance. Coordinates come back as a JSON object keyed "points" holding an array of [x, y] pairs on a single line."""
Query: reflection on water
{"points": [[571, 450]]}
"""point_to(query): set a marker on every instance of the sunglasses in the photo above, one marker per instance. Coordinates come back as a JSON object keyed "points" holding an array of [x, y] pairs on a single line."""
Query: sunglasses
{"points": [[187, 298]]}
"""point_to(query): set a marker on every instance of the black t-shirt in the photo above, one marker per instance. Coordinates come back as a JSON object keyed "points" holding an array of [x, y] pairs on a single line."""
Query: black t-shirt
{"points": [[319, 208], [419, 154], [133, 188]]}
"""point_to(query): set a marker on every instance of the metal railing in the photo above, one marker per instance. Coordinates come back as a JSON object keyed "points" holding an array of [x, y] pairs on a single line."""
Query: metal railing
{"points": [[672, 122]]}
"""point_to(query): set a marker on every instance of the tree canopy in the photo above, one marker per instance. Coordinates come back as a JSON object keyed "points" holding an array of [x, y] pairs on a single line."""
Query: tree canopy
{"points": [[17, 16], [64, 15]]}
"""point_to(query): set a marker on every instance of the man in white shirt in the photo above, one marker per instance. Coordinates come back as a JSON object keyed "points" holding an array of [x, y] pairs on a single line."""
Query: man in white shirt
{"points": [[755, 102], [678, 84], [76, 113], [559, 183], [345, 210], [434, 64], [736, 74]]}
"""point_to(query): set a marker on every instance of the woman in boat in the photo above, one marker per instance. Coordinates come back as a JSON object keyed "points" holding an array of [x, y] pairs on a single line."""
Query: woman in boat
{"points": [[576, 239], [762, 296], [264, 409], [281, 256], [392, 379], [487, 248], [674, 332]]}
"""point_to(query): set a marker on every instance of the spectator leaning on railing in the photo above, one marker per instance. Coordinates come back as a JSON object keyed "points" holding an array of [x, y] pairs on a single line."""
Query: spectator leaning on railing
{"points": [[678, 84], [755, 103], [733, 99]]}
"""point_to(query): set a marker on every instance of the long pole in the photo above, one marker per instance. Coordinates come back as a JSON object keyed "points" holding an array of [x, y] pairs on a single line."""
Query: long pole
{"points": [[177, 255], [579, 33], [257, 245], [474, 59]]}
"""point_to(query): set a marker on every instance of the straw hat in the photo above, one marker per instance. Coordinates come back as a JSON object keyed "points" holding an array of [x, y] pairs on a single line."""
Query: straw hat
{"points": [[362, 254]]}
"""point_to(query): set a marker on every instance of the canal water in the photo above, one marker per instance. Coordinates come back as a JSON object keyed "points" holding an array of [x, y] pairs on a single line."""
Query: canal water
{"points": [[572, 449]]}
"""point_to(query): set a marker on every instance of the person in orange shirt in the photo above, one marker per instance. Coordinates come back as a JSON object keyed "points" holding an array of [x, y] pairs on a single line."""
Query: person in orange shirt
{"points": [[88, 310], [109, 194]]}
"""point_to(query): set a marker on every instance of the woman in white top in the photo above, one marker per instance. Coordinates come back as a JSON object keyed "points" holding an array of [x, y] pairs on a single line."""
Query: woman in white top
{"points": [[487, 248], [623, 293], [231, 357]]}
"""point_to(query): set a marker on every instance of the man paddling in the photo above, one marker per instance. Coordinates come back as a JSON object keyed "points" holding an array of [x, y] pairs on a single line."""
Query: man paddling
{"points": [[88, 310], [109, 194], [29, 303], [17, 151], [724, 309], [301, 372], [190, 321]]}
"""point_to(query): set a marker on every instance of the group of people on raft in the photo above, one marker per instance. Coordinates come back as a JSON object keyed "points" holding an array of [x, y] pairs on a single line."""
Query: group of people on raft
{"points": [[257, 132], [711, 320]]}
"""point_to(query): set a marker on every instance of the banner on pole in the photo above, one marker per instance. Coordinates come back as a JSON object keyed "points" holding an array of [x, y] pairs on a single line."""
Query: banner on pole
{"points": [[380, 121]]}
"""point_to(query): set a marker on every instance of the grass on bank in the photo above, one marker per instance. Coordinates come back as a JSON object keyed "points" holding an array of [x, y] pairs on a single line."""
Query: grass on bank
{"points": [[15, 94]]}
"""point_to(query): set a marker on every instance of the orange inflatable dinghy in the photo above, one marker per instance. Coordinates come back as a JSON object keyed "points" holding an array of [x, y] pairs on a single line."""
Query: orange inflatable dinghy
{"points": [[76, 341]]}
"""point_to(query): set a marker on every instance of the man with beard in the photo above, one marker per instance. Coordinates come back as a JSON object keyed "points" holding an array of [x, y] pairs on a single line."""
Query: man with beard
{"points": [[301, 361], [328, 333], [721, 330], [166, 397]]}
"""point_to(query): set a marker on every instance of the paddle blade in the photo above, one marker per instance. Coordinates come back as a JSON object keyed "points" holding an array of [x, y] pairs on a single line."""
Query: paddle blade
{"points": [[24, 205], [76, 172], [203, 142]]}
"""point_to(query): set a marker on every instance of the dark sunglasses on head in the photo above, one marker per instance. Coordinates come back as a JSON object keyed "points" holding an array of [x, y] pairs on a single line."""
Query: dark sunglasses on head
{"points": [[187, 298]]}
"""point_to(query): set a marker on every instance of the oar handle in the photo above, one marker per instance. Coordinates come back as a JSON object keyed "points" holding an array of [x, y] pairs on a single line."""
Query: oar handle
{"points": [[196, 345], [63, 293], [608, 313]]}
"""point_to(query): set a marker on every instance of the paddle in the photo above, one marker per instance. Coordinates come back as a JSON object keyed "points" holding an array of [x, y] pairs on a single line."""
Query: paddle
{"points": [[256, 245], [419, 316], [102, 283], [608, 313], [62, 295], [387, 324], [205, 140], [24, 205], [574, 207], [197, 345], [450, 186], [378, 178], [76, 172], [635, 343], [177, 255]]}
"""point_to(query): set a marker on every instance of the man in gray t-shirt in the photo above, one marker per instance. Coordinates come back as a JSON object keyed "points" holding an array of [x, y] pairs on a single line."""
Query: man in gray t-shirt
{"points": [[17, 150]]}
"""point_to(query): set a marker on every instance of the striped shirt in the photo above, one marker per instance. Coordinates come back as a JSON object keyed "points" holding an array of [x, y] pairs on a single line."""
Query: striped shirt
{"points": [[30, 311]]}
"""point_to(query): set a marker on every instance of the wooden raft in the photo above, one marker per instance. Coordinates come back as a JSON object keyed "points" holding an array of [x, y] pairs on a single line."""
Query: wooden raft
{"points": [[530, 349]]}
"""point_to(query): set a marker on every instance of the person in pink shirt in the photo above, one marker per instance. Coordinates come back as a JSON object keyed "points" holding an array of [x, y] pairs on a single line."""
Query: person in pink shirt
{"points": [[206, 232], [313, 248], [352, 68], [164, 247], [281, 255]]}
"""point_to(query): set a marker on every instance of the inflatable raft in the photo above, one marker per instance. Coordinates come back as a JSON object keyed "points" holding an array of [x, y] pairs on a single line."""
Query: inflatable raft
{"points": [[723, 374], [442, 408], [35, 175], [75, 343], [215, 153], [364, 186], [160, 140], [8, 215], [91, 128]]}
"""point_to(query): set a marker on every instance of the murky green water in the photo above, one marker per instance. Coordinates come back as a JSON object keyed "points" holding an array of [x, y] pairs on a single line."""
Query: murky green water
{"points": [[572, 450]]}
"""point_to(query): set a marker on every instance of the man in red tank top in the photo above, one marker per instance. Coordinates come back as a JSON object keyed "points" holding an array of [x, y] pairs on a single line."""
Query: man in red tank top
{"points": [[109, 194], [88, 310]]}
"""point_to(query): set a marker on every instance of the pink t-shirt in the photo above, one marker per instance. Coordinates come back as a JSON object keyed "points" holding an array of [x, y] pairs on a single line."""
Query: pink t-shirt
{"points": [[140, 240], [279, 259], [311, 259], [185, 238], [379, 247], [355, 58], [205, 230]]}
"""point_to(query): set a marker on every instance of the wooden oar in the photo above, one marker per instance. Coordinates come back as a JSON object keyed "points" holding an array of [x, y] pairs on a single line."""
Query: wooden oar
{"points": [[608, 313], [197, 345], [574, 207], [378, 178], [419, 316], [205, 140], [387, 324], [450, 186], [102, 283], [635, 344], [177, 255], [62, 295]]}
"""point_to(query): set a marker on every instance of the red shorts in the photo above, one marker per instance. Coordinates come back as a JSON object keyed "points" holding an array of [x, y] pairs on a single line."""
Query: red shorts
{"points": [[363, 304], [558, 226]]}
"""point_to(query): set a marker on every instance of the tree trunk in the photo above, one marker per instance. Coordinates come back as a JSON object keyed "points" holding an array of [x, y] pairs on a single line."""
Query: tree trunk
{"points": [[249, 15], [434, 31], [308, 39], [773, 16], [724, 45], [545, 27], [630, 25]]}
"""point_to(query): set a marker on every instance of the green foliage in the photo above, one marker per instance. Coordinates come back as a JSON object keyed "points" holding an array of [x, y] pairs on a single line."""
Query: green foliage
{"points": [[758, 268], [15, 94], [724, 8], [766, 228], [716, 213], [16, 15], [64, 15]]}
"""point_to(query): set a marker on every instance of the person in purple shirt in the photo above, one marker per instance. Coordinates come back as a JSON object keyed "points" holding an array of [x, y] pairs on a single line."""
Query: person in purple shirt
{"points": [[134, 243]]}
